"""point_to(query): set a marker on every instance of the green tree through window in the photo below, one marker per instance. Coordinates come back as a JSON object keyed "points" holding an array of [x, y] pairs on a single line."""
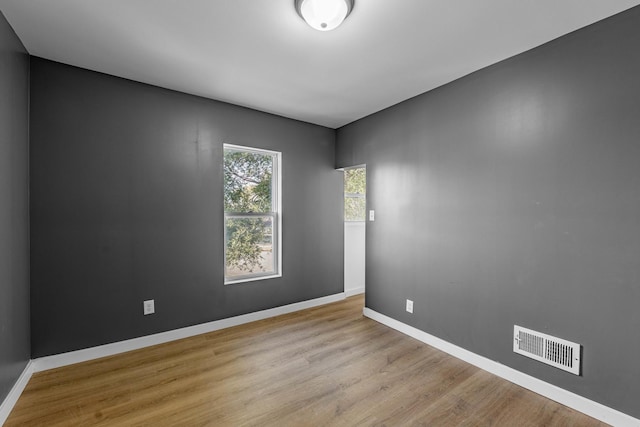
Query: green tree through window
{"points": [[250, 195]]}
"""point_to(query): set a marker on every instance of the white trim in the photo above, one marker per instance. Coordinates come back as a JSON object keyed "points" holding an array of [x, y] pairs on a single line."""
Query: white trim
{"points": [[252, 279], [14, 394], [242, 148], [355, 291], [64, 359], [565, 397]]}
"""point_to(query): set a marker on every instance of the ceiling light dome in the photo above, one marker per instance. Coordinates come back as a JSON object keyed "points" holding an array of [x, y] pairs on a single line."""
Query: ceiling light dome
{"points": [[324, 15]]}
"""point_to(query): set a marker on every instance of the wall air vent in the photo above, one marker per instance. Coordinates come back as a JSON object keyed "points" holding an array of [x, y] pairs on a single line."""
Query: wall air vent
{"points": [[547, 349]]}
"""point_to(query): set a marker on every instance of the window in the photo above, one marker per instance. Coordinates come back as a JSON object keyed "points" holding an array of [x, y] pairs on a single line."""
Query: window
{"points": [[355, 188], [252, 218]]}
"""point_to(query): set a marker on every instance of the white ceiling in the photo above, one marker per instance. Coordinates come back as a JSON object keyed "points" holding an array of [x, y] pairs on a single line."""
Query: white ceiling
{"points": [[260, 54]]}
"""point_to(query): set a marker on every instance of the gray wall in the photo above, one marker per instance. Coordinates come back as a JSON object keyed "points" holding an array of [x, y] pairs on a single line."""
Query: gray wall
{"points": [[126, 205], [512, 196], [14, 208]]}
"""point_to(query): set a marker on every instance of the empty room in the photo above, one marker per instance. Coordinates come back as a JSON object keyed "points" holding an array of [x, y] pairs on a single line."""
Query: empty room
{"points": [[319, 213]]}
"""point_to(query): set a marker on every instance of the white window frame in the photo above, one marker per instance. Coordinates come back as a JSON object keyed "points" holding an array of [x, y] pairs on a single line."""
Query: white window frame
{"points": [[276, 214]]}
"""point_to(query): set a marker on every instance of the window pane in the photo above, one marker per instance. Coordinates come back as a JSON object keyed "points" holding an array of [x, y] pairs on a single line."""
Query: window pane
{"points": [[249, 246], [355, 181], [355, 208], [247, 181]]}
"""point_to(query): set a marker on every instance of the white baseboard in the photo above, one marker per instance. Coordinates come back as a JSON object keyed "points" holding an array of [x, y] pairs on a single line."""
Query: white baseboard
{"points": [[355, 291], [64, 359], [567, 398], [9, 402]]}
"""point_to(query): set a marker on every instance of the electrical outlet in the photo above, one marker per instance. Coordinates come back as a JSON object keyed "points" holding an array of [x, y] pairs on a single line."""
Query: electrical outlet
{"points": [[410, 306], [372, 215], [149, 307]]}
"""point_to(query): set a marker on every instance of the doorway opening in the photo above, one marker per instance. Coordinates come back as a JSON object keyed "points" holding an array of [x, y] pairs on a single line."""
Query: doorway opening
{"points": [[355, 209]]}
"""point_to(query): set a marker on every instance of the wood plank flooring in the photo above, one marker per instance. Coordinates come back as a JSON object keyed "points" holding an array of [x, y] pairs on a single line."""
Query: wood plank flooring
{"points": [[326, 366]]}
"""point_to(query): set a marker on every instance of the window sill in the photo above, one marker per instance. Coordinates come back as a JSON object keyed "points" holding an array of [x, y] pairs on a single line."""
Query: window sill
{"points": [[251, 279]]}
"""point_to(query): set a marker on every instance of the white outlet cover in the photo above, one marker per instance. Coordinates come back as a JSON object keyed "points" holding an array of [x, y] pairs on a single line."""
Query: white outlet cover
{"points": [[410, 306], [372, 215], [149, 306]]}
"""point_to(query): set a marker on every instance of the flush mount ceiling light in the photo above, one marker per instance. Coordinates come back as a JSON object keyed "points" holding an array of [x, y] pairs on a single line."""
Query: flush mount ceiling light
{"points": [[324, 15]]}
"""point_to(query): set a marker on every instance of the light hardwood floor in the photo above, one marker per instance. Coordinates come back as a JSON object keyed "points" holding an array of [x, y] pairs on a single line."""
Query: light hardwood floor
{"points": [[324, 366]]}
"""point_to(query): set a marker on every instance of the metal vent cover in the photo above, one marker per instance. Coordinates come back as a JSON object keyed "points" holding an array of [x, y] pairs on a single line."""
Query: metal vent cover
{"points": [[547, 349]]}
